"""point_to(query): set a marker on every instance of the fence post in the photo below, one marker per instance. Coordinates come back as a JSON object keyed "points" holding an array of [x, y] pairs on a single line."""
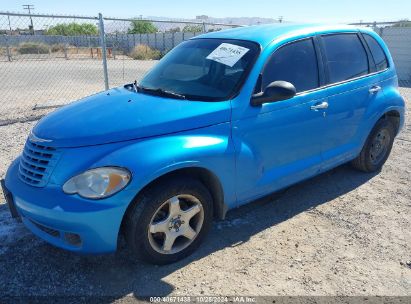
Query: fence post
{"points": [[103, 49], [374, 26], [381, 31], [65, 48], [8, 53], [115, 46]]}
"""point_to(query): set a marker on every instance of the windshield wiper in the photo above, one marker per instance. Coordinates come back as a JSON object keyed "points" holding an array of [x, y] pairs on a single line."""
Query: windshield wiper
{"points": [[135, 86], [160, 92]]}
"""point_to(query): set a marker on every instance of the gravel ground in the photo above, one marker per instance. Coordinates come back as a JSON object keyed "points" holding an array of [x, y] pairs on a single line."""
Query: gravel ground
{"points": [[341, 233]]}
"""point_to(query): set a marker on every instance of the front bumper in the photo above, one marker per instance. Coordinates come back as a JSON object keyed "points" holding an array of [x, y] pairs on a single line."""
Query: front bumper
{"points": [[68, 221]]}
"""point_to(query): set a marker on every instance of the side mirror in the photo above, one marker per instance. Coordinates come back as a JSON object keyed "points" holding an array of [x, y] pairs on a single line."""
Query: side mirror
{"points": [[275, 91]]}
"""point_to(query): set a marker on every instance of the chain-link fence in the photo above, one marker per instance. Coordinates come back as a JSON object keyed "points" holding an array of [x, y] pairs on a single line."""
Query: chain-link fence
{"points": [[39, 70], [397, 36], [135, 53], [49, 60]]}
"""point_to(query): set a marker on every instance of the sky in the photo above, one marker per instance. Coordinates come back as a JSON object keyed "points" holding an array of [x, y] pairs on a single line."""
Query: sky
{"points": [[339, 11]]}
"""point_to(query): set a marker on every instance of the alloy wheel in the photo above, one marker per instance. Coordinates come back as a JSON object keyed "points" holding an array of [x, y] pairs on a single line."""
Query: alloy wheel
{"points": [[176, 224]]}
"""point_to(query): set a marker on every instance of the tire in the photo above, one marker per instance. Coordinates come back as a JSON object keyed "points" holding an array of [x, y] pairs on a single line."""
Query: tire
{"points": [[369, 160], [154, 218]]}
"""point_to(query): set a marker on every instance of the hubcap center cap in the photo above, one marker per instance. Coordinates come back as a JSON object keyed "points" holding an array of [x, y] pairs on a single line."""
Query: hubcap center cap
{"points": [[175, 224]]}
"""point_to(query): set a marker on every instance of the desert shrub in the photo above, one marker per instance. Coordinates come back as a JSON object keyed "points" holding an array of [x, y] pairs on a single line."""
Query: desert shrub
{"points": [[58, 47], [32, 48], [144, 52]]}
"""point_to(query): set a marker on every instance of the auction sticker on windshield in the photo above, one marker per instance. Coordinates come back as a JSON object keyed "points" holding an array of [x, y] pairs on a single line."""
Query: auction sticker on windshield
{"points": [[228, 54]]}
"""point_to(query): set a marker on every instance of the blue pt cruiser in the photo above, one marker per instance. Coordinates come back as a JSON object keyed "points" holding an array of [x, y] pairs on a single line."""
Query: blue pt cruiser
{"points": [[222, 119]]}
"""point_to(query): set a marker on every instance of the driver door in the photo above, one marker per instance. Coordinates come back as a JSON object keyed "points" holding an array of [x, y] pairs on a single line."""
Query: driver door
{"points": [[280, 142]]}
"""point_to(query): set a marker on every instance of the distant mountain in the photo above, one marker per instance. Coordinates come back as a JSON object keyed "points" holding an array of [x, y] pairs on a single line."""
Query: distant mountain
{"points": [[226, 20]]}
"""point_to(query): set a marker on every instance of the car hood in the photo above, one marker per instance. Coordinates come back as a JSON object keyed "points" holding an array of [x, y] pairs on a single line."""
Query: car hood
{"points": [[119, 114]]}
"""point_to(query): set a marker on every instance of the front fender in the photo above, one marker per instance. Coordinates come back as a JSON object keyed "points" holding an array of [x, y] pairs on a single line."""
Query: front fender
{"points": [[209, 148]]}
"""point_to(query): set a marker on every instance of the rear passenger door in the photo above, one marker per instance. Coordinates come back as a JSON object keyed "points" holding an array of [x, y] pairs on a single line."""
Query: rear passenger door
{"points": [[351, 86]]}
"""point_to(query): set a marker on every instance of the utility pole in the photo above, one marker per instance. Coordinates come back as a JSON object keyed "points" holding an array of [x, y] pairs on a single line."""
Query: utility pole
{"points": [[30, 7]]}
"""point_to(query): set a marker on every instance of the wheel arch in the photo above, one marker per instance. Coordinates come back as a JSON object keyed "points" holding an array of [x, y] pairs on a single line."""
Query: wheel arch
{"points": [[394, 117], [208, 178], [394, 114]]}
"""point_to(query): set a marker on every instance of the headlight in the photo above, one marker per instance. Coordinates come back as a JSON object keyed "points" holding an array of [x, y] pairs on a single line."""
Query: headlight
{"points": [[98, 183]]}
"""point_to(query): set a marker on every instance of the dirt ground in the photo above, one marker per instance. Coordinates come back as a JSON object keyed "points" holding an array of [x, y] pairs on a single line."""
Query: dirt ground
{"points": [[341, 233]]}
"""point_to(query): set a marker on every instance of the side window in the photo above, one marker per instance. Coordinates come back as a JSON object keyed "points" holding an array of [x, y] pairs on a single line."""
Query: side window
{"points": [[377, 53], [296, 63], [345, 57]]}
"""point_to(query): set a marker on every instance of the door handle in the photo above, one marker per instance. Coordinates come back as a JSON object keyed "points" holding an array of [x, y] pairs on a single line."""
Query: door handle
{"points": [[319, 106], [374, 89]]}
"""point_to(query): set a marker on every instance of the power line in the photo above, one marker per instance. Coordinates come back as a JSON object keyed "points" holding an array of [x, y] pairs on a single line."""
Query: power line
{"points": [[30, 7]]}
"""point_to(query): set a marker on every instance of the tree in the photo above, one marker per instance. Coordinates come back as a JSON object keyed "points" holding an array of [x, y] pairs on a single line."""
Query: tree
{"points": [[214, 30], [142, 27], [73, 29], [174, 30], [193, 28]]}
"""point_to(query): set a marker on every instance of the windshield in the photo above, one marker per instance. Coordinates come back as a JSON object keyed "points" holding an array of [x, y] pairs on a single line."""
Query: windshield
{"points": [[202, 69]]}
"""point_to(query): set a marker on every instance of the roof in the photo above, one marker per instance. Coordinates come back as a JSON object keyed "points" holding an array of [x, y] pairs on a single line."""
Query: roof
{"points": [[264, 34]]}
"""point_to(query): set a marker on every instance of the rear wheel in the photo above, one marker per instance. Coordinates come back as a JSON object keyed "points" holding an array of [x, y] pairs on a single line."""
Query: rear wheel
{"points": [[377, 148], [169, 221]]}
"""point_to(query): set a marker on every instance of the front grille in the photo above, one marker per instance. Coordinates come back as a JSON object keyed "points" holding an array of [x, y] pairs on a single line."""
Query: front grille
{"points": [[36, 163]]}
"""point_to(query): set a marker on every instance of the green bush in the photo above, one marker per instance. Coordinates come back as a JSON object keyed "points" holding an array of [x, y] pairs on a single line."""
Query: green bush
{"points": [[33, 48], [142, 27], [144, 52], [73, 29]]}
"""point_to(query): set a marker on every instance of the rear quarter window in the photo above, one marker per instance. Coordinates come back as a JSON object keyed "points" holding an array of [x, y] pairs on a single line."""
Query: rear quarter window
{"points": [[345, 57], [378, 54]]}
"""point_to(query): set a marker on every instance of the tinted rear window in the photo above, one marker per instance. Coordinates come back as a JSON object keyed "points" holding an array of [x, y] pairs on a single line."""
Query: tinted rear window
{"points": [[296, 63], [345, 57], [377, 53]]}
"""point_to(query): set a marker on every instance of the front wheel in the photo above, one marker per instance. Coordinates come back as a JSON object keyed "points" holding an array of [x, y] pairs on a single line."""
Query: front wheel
{"points": [[377, 148], [169, 221]]}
